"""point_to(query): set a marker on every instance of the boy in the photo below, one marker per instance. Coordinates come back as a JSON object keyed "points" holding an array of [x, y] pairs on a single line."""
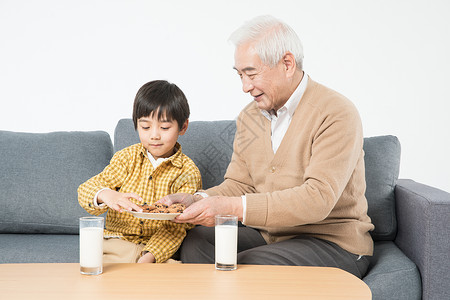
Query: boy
{"points": [[141, 174]]}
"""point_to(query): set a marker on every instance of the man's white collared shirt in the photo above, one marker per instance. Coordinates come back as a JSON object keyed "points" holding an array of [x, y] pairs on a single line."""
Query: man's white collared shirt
{"points": [[282, 119]]}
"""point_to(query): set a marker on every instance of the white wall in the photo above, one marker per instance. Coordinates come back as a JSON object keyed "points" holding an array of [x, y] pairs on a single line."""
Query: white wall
{"points": [[77, 64]]}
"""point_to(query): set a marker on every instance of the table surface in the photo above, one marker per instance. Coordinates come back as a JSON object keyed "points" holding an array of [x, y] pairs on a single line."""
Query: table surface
{"points": [[178, 281]]}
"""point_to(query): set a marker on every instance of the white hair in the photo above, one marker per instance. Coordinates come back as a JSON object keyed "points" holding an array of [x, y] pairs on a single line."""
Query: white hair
{"points": [[272, 37]]}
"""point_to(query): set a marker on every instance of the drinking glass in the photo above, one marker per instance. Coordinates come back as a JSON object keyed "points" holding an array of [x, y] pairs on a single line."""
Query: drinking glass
{"points": [[226, 231], [91, 245]]}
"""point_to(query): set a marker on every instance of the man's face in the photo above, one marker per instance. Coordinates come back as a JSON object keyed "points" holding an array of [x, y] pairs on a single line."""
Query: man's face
{"points": [[268, 86]]}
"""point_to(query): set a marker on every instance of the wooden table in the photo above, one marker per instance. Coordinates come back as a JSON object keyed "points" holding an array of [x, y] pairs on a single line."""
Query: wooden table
{"points": [[178, 281]]}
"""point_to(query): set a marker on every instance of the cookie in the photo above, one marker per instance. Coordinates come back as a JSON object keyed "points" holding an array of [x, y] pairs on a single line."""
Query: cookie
{"points": [[147, 208], [178, 205], [160, 206], [176, 208], [160, 211]]}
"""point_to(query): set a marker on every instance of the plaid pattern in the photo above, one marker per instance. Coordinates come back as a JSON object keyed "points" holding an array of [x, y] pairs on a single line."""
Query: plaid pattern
{"points": [[130, 171]]}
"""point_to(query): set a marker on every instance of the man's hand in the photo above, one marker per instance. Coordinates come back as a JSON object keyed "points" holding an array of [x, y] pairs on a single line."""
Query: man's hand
{"points": [[119, 201], [186, 199], [203, 212]]}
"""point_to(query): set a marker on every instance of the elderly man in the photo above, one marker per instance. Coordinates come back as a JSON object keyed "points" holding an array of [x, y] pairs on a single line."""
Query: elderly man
{"points": [[299, 186]]}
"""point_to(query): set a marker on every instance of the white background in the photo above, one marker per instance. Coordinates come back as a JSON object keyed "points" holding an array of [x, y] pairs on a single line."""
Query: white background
{"points": [[76, 65]]}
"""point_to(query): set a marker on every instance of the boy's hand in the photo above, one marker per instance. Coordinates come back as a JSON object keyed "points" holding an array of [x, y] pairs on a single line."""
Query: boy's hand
{"points": [[119, 201], [186, 199], [147, 258]]}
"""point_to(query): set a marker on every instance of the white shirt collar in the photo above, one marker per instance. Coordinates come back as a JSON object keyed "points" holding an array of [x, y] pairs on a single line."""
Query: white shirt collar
{"points": [[293, 100], [155, 162]]}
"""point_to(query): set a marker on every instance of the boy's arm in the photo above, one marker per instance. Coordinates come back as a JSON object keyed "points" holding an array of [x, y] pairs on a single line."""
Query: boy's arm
{"points": [[111, 178]]}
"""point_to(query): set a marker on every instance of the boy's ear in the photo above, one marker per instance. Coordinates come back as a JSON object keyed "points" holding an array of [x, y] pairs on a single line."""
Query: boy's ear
{"points": [[184, 127]]}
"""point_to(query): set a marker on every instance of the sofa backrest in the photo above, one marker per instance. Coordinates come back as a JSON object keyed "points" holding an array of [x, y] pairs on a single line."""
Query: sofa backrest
{"points": [[39, 177], [382, 161], [209, 145]]}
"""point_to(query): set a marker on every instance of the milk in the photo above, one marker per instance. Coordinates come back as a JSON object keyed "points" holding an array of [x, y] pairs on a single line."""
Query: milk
{"points": [[91, 247], [226, 244]]}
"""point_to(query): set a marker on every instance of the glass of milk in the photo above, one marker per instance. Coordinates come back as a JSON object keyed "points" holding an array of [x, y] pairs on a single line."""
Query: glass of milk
{"points": [[91, 245], [226, 232]]}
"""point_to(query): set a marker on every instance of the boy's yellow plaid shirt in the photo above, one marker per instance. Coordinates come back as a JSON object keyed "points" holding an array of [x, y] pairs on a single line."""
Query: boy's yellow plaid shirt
{"points": [[130, 171]]}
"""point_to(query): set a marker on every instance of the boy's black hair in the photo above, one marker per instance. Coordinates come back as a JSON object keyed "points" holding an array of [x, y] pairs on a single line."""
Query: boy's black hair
{"points": [[161, 97]]}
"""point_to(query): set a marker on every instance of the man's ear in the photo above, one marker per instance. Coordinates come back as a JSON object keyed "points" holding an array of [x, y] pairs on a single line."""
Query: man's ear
{"points": [[184, 127], [289, 63]]}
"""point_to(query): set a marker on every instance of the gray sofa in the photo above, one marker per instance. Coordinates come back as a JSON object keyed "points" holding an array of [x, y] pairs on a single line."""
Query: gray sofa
{"points": [[40, 174]]}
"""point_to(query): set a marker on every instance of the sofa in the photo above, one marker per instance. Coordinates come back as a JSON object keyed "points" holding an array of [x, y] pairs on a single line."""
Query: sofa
{"points": [[40, 174]]}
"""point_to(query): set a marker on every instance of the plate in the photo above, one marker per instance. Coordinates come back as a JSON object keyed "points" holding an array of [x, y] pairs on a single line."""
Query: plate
{"points": [[154, 216]]}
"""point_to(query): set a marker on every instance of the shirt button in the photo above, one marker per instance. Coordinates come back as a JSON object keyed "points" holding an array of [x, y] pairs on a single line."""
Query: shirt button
{"points": [[272, 170]]}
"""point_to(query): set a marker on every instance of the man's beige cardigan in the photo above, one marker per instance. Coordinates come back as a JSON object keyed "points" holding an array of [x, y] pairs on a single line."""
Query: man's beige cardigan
{"points": [[315, 183]]}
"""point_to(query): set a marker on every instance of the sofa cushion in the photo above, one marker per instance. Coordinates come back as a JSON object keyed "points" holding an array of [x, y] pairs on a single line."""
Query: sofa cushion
{"points": [[39, 248], [208, 143], [40, 174], [392, 275], [382, 161], [125, 135]]}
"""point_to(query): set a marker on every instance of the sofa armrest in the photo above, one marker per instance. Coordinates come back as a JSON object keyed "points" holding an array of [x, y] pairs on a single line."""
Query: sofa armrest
{"points": [[423, 217]]}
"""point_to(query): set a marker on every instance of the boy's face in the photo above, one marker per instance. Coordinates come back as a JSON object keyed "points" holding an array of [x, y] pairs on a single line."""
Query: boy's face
{"points": [[159, 136]]}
